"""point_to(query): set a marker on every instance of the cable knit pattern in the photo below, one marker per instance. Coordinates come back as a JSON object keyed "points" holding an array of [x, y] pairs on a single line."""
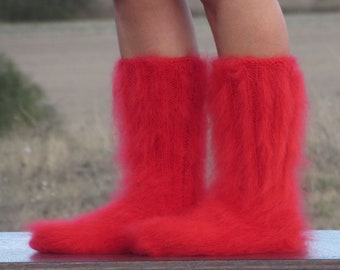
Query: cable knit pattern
{"points": [[258, 113], [160, 119]]}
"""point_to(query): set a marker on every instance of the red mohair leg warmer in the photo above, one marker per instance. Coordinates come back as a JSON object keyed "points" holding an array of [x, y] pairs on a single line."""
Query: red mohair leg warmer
{"points": [[159, 108], [258, 110]]}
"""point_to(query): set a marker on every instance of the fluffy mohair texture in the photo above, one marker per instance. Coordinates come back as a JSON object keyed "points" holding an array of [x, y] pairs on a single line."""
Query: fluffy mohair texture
{"points": [[158, 104], [258, 110]]}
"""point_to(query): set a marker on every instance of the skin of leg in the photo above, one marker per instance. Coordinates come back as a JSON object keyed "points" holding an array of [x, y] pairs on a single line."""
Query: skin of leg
{"points": [[247, 27], [154, 28]]}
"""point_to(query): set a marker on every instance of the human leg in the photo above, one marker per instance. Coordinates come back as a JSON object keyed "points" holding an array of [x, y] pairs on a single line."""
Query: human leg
{"points": [[158, 104], [148, 28], [247, 28], [257, 105]]}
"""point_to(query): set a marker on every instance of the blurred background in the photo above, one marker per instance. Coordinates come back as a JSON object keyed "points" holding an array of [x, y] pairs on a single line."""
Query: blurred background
{"points": [[56, 140]]}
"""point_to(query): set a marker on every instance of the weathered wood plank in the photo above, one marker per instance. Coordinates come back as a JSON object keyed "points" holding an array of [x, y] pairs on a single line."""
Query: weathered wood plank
{"points": [[324, 253]]}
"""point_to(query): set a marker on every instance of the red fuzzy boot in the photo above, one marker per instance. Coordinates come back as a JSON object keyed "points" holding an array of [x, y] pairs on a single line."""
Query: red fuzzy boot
{"points": [[258, 110], [159, 107]]}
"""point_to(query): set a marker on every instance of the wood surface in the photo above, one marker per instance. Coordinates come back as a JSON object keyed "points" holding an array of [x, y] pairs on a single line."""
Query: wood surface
{"points": [[323, 253]]}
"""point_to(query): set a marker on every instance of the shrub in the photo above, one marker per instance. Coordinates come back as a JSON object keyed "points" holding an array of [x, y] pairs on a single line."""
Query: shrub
{"points": [[40, 10], [21, 101]]}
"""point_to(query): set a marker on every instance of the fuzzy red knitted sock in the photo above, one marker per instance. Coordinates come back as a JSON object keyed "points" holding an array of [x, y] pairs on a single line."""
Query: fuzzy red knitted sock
{"points": [[159, 108], [257, 109]]}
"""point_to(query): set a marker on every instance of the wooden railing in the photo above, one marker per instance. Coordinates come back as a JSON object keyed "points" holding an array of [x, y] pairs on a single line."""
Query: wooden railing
{"points": [[324, 253]]}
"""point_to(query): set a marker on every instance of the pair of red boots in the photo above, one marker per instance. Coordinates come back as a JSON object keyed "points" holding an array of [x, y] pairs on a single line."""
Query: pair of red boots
{"points": [[257, 108]]}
